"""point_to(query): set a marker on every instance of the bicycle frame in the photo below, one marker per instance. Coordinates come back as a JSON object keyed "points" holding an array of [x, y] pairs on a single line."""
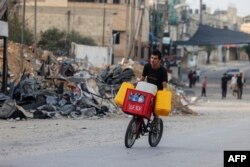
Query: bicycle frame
{"points": [[143, 126]]}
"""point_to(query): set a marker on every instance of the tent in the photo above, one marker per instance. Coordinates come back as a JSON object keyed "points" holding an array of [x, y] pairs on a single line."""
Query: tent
{"points": [[206, 35]]}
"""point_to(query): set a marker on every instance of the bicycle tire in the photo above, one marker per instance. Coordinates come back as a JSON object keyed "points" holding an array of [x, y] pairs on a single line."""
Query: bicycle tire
{"points": [[131, 133], [155, 133]]}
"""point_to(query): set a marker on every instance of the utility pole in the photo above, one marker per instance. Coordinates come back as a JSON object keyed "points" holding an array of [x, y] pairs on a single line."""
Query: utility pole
{"points": [[127, 29], [131, 27], [201, 11], [22, 37], [103, 22], [135, 33], [35, 24], [5, 54], [140, 32]]}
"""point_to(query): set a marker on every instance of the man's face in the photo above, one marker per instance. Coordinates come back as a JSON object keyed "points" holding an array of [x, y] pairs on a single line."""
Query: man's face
{"points": [[154, 61]]}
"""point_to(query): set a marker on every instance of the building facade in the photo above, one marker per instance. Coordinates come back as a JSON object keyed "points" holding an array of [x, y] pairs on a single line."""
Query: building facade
{"points": [[102, 20]]}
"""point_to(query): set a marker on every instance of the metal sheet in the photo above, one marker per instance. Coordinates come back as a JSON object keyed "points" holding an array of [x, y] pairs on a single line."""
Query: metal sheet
{"points": [[4, 29]]}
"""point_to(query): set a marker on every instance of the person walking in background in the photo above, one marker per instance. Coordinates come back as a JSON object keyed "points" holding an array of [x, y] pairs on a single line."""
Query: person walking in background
{"points": [[190, 77], [224, 85], [204, 86], [198, 74], [233, 84], [240, 82], [194, 78]]}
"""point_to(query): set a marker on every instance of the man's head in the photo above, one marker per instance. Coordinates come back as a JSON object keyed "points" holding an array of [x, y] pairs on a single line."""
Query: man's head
{"points": [[155, 59]]}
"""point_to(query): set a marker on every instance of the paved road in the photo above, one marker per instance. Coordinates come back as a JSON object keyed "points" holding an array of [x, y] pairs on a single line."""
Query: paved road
{"points": [[200, 148]]}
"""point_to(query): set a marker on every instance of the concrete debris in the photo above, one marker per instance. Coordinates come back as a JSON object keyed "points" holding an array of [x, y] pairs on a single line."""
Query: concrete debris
{"points": [[55, 87]]}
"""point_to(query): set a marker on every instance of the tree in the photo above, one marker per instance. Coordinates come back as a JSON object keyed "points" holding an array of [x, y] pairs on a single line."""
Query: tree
{"points": [[15, 31], [209, 49], [52, 39], [247, 50], [59, 42], [77, 38]]}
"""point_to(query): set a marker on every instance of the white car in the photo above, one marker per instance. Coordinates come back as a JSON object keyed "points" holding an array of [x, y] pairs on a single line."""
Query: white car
{"points": [[231, 72]]}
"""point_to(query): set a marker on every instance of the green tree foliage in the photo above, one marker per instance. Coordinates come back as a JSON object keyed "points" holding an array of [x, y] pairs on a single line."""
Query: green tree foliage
{"points": [[52, 39], [77, 38], [15, 31], [247, 50], [59, 42]]}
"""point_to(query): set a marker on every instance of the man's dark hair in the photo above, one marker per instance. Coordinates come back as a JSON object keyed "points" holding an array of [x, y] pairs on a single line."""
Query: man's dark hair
{"points": [[157, 53]]}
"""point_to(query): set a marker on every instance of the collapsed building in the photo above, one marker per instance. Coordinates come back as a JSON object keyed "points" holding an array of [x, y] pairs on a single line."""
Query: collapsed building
{"points": [[51, 87]]}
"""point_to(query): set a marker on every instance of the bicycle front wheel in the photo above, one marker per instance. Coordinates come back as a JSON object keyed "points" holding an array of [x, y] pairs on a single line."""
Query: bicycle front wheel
{"points": [[155, 133], [132, 132]]}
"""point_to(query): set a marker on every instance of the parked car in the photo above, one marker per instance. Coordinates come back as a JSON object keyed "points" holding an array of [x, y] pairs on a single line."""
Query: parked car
{"points": [[231, 72]]}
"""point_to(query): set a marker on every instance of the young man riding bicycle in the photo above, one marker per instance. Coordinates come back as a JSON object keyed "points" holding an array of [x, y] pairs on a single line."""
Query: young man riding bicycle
{"points": [[154, 72]]}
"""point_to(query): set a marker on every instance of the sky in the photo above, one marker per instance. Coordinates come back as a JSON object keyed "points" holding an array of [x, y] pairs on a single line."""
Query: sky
{"points": [[242, 6]]}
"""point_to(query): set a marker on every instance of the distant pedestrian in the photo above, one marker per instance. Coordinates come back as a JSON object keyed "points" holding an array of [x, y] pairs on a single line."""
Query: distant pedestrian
{"points": [[194, 78], [198, 74], [233, 85], [204, 86], [190, 77], [224, 86], [240, 82]]}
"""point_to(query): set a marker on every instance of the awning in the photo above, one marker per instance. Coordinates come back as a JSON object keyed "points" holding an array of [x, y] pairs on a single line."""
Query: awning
{"points": [[206, 35]]}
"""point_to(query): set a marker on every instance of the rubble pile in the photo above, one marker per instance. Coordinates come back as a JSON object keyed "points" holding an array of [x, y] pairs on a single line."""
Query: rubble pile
{"points": [[180, 104], [15, 60], [53, 87]]}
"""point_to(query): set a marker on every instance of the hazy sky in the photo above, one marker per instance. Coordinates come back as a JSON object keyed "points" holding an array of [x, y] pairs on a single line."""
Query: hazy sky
{"points": [[243, 6]]}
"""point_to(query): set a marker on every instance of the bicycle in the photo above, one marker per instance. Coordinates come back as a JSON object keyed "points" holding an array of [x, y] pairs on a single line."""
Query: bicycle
{"points": [[137, 127], [142, 122]]}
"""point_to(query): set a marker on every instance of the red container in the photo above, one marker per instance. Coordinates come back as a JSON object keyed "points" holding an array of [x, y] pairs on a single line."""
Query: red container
{"points": [[138, 103]]}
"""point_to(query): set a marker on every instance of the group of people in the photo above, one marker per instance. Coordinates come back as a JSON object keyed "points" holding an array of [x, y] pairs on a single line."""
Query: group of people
{"points": [[193, 77], [236, 85], [237, 82]]}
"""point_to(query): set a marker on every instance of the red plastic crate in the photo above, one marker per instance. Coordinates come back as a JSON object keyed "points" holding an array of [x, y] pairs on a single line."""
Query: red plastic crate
{"points": [[136, 107]]}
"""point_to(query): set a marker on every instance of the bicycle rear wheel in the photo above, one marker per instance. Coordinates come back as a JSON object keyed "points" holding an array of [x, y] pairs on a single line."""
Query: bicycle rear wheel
{"points": [[155, 133], [132, 132]]}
